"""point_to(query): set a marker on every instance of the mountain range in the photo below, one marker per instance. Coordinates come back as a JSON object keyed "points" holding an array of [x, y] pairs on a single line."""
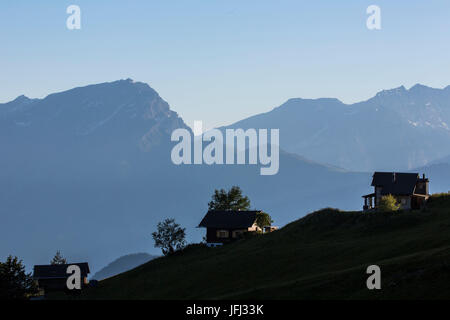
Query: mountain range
{"points": [[88, 170], [122, 264], [397, 129]]}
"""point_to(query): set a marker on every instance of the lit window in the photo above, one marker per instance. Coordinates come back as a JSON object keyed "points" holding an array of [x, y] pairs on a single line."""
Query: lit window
{"points": [[222, 234]]}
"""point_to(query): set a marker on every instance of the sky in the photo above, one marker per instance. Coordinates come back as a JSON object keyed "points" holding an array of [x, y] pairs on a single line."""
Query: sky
{"points": [[221, 61]]}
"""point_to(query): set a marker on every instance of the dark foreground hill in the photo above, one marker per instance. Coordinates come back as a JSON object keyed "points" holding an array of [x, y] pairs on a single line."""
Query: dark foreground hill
{"points": [[322, 256]]}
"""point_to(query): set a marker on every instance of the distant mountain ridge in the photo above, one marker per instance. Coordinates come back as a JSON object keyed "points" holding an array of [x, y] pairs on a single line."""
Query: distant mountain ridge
{"points": [[84, 111], [397, 129], [122, 264]]}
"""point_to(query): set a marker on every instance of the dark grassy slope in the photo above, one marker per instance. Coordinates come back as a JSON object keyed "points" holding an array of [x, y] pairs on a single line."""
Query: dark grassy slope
{"points": [[322, 256]]}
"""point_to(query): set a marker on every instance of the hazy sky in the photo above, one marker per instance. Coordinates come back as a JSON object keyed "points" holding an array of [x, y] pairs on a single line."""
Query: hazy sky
{"points": [[221, 61]]}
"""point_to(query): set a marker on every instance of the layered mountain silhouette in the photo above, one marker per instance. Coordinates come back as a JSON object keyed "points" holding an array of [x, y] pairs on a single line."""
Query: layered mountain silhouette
{"points": [[122, 264], [398, 129], [88, 170]]}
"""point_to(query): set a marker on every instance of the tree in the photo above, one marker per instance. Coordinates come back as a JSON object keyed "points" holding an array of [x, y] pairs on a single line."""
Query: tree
{"points": [[14, 282], [263, 219], [58, 259], [231, 200], [388, 203], [169, 237]]}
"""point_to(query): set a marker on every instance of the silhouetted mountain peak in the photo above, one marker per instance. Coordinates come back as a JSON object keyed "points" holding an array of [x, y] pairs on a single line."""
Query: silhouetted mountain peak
{"points": [[309, 104], [123, 264], [418, 87], [422, 89], [318, 100], [18, 104], [21, 98], [124, 109], [391, 92]]}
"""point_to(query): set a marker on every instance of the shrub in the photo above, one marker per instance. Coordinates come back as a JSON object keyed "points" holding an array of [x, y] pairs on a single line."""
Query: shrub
{"points": [[263, 219], [388, 203], [170, 237]]}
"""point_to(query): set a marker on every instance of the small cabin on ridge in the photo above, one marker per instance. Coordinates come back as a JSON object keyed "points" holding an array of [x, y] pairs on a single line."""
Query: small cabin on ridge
{"points": [[410, 190], [226, 226], [53, 277]]}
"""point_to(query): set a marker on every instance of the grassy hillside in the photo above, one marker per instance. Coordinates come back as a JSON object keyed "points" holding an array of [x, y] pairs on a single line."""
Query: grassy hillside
{"points": [[322, 256]]}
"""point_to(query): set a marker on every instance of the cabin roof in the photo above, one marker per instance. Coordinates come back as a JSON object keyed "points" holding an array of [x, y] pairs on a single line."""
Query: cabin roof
{"points": [[54, 271], [231, 219], [395, 183]]}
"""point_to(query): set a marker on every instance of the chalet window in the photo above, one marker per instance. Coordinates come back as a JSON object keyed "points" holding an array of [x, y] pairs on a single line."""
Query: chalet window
{"points": [[237, 233], [222, 234]]}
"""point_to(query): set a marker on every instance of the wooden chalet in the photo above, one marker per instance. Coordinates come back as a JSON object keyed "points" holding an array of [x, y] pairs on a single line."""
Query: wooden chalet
{"points": [[410, 190], [226, 226], [53, 277]]}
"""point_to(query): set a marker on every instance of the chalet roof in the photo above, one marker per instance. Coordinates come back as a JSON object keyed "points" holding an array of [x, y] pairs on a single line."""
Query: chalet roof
{"points": [[54, 271], [395, 183], [231, 219]]}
